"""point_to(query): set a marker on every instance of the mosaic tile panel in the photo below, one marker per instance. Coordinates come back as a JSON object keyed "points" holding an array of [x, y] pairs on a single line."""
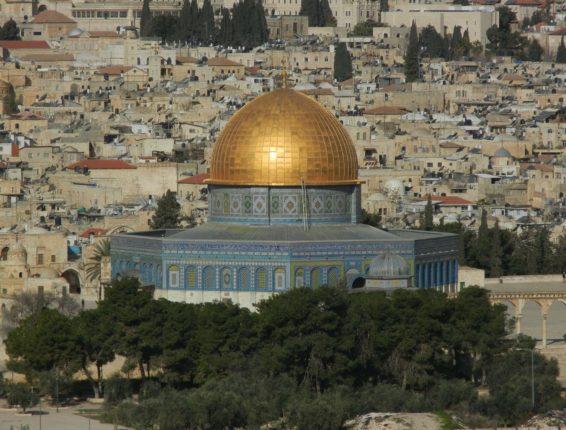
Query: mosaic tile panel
{"points": [[260, 205], [281, 205]]}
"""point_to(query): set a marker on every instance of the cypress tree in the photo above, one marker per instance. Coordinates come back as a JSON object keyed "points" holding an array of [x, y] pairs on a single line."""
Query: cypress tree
{"points": [[456, 43], [145, 20], [466, 44], [325, 15], [535, 51], [238, 22], [11, 102], [260, 16], [412, 67], [561, 52], [496, 269], [309, 8], [428, 215], [10, 30], [432, 42], [253, 24], [543, 251], [342, 63], [318, 12], [207, 21], [193, 25], [182, 33], [483, 251], [225, 32]]}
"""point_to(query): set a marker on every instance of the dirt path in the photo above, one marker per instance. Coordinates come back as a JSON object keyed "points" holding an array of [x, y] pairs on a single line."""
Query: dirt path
{"points": [[393, 421]]}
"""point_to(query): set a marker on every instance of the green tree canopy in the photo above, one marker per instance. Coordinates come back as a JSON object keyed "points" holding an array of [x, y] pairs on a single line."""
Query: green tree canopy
{"points": [[146, 27], [364, 28], [428, 215], [164, 27], [502, 40], [182, 31], [432, 43], [43, 341], [342, 63], [561, 52], [303, 357], [318, 12], [206, 21], [535, 51], [412, 56], [10, 30], [96, 346], [168, 213]]}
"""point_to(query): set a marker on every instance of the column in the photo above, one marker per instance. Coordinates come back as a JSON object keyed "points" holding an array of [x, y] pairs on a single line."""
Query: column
{"points": [[544, 308], [519, 304], [430, 276], [544, 320], [440, 281], [456, 273], [446, 274]]}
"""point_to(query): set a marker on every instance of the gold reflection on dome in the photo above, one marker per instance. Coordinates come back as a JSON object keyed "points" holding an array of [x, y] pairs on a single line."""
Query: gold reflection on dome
{"points": [[283, 138]]}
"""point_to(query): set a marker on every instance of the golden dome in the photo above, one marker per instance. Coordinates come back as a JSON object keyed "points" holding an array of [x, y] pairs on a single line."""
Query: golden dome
{"points": [[283, 138]]}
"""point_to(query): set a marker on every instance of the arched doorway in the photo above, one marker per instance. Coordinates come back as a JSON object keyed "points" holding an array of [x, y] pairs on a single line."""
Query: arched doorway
{"points": [[72, 278]]}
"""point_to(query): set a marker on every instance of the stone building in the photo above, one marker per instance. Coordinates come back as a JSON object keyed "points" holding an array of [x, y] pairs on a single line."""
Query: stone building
{"points": [[48, 24]]}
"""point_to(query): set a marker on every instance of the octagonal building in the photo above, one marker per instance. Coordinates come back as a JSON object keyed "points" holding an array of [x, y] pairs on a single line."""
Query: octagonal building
{"points": [[284, 212]]}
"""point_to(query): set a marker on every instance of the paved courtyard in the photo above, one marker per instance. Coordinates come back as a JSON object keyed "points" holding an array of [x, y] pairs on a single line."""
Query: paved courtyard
{"points": [[50, 419]]}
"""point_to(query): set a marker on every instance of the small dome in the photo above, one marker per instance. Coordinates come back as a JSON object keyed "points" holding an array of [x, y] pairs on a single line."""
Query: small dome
{"points": [[17, 254], [389, 266], [394, 186], [503, 153], [75, 32]]}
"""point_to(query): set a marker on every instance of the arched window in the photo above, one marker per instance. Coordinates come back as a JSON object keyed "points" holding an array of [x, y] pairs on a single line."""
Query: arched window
{"points": [[173, 277], [332, 276], [4, 253], [299, 278], [191, 277], [279, 278], [226, 278], [244, 279], [315, 278], [208, 280], [261, 279]]}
